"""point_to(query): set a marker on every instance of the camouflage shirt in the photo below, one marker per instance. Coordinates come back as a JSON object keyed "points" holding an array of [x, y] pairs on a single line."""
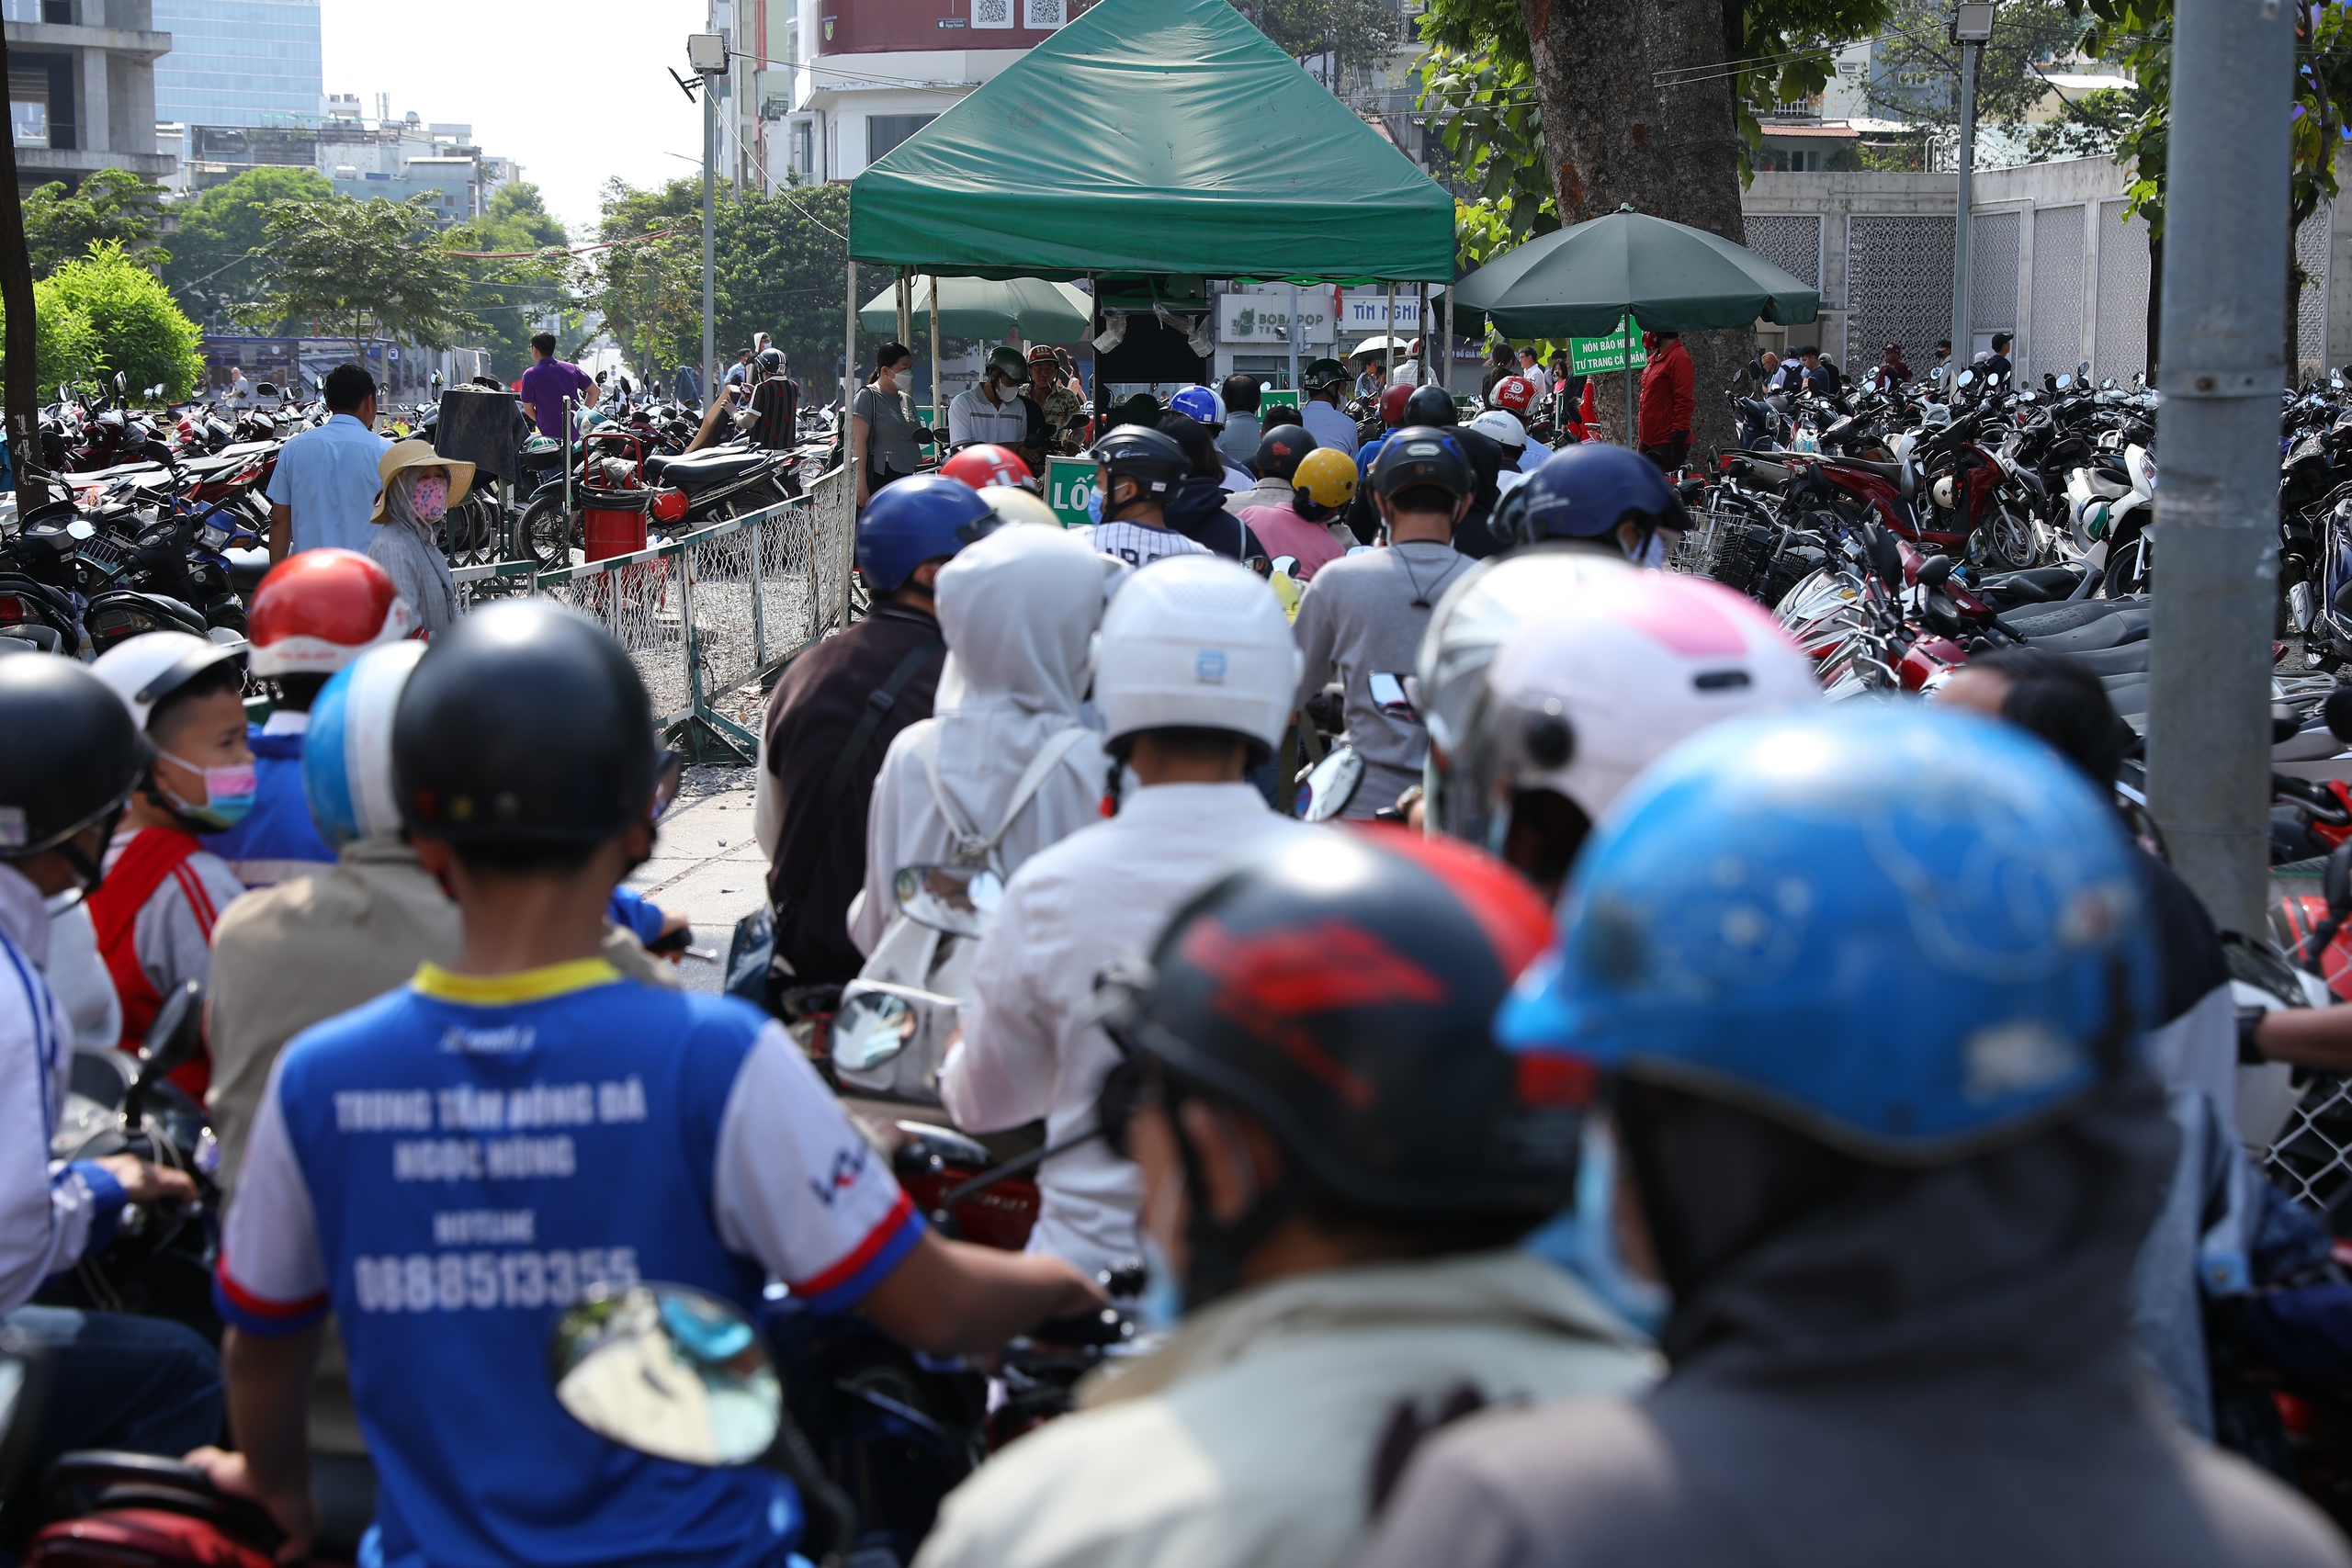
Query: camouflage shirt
{"points": [[1061, 406]]}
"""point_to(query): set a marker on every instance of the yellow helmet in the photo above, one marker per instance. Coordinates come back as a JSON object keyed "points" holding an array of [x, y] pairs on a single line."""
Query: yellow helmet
{"points": [[1326, 476], [1017, 506]]}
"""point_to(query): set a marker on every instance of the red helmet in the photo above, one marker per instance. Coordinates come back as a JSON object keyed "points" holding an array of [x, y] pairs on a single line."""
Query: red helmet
{"points": [[318, 611], [1392, 404], [1514, 394], [988, 465]]}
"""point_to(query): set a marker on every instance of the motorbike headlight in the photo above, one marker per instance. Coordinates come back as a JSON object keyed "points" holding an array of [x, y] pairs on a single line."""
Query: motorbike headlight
{"points": [[215, 537]]}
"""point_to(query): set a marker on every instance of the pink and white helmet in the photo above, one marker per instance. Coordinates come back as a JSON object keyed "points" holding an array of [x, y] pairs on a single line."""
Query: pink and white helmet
{"points": [[1580, 704]]}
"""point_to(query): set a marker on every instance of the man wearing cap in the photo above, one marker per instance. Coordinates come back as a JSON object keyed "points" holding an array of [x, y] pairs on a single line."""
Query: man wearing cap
{"points": [[1326, 382], [1056, 401], [995, 411], [325, 483]]}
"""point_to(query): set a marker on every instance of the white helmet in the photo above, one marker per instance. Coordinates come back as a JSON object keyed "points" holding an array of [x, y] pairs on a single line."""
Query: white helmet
{"points": [[1946, 492], [1197, 642], [1582, 701], [1017, 506], [1476, 614], [149, 667], [1504, 426]]}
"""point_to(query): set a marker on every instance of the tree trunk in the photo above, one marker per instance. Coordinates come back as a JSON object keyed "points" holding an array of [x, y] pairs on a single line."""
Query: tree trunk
{"points": [[1610, 137], [23, 391]]}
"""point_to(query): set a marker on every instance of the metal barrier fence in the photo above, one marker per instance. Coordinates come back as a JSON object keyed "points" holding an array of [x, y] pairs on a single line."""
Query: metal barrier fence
{"points": [[709, 612]]}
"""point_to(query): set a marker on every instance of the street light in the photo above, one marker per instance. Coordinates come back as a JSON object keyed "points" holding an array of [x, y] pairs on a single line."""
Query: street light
{"points": [[706, 57], [1971, 26]]}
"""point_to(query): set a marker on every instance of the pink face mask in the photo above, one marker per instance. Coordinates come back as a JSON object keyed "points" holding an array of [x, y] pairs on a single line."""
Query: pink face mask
{"points": [[431, 500]]}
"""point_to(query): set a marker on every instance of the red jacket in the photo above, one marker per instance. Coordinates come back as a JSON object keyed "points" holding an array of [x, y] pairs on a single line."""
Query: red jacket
{"points": [[1665, 395]]}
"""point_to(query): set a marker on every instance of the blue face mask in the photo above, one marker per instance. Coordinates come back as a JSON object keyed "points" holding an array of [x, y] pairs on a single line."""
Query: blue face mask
{"points": [[1583, 1240], [1653, 552], [1094, 505]]}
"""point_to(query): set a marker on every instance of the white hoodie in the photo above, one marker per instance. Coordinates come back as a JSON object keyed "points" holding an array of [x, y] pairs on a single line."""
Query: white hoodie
{"points": [[1019, 610]]}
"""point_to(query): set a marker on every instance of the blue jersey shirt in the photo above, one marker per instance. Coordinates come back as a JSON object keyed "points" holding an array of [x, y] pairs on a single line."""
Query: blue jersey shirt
{"points": [[277, 841], [452, 1165]]}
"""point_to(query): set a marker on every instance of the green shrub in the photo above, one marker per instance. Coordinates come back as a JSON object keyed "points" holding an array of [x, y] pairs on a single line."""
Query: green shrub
{"points": [[141, 331], [68, 344]]}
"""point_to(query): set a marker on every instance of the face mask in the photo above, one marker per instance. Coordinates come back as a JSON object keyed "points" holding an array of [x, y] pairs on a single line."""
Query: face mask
{"points": [[228, 795], [1653, 552], [1094, 506], [431, 500]]}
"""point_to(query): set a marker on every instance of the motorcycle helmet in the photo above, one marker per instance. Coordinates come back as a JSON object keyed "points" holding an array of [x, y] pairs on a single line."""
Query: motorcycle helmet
{"points": [[1325, 480], [1902, 931], [1322, 374], [1341, 991], [347, 752], [1392, 405], [1421, 454], [1432, 405], [73, 757], [1504, 429], [1202, 403], [523, 725], [1584, 492], [1009, 362], [1197, 642], [1946, 492], [144, 670], [771, 362], [1147, 456], [1281, 450], [988, 463], [319, 610], [1513, 395], [1014, 504], [1582, 699], [925, 518]]}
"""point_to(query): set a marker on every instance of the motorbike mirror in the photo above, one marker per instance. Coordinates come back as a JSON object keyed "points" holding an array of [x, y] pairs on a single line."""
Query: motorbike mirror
{"points": [[871, 1027], [120, 380], [2108, 385], [670, 1371], [1286, 565], [2337, 882], [958, 899], [77, 529], [1389, 696], [1965, 378], [171, 1041], [1886, 557], [2065, 383], [1934, 571], [2337, 711], [1332, 782]]}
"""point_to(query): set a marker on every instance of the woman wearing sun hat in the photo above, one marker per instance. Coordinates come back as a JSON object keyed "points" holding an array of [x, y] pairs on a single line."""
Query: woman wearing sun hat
{"points": [[419, 487]]}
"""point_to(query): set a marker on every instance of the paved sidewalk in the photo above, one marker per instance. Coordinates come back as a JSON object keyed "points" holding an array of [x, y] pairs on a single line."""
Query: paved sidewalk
{"points": [[707, 863]]}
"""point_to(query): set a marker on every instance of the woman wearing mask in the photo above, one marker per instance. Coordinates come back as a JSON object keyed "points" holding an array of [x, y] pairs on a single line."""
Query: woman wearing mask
{"points": [[882, 429], [420, 486]]}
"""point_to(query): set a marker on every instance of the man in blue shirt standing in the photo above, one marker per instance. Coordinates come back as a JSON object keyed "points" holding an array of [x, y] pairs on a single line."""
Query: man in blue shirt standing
{"points": [[548, 381], [323, 490], [452, 1165]]}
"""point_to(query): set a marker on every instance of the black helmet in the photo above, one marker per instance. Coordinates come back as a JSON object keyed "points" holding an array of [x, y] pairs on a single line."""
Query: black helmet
{"points": [[1432, 405], [1145, 455], [1341, 991], [1421, 455], [1010, 360], [524, 724], [1322, 373], [73, 756], [1280, 449], [771, 362]]}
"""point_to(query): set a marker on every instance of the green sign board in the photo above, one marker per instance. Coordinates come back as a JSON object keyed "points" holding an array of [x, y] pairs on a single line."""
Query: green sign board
{"points": [[1282, 399], [1591, 356], [1069, 482]]}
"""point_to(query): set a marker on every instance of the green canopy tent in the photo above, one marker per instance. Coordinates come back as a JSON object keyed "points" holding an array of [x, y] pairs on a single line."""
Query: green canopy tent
{"points": [[1154, 137]]}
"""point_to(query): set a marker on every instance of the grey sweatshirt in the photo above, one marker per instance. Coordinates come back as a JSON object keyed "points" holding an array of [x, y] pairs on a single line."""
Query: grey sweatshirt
{"points": [[1365, 614]]}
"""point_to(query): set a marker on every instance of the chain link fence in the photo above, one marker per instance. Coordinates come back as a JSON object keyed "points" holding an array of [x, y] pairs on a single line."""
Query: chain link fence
{"points": [[710, 612]]}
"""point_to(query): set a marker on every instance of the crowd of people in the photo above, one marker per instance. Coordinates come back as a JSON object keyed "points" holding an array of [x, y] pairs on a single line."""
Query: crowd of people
{"points": [[1662, 1119]]}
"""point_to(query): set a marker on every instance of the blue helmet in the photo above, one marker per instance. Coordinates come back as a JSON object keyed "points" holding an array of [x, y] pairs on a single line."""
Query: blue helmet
{"points": [[1584, 490], [347, 751], [1909, 934], [916, 520], [1201, 402]]}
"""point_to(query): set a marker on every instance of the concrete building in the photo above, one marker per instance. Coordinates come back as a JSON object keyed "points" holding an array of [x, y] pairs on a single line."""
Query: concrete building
{"points": [[81, 88], [389, 160], [247, 63]]}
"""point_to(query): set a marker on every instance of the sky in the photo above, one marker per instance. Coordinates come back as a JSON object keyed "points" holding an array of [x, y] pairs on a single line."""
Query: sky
{"points": [[573, 90]]}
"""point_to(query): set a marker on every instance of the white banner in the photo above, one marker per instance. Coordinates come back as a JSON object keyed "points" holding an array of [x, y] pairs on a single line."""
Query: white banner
{"points": [[1262, 318]]}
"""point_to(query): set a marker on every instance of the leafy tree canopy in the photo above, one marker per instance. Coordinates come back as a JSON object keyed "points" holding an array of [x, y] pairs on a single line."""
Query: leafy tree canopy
{"points": [[60, 225], [1918, 65], [515, 297], [139, 329], [220, 257], [1360, 31], [361, 269]]}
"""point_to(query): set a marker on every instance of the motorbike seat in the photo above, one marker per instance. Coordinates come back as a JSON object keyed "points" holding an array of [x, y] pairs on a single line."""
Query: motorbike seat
{"points": [[2042, 620], [706, 469], [1892, 471], [1767, 476], [202, 467], [2034, 585], [2124, 659]]}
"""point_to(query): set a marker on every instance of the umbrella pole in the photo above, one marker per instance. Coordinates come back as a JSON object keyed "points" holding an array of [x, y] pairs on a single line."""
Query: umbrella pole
{"points": [[938, 397], [1631, 408], [905, 307], [1388, 342]]}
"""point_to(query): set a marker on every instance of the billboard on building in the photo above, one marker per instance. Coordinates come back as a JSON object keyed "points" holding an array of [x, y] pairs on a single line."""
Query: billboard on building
{"points": [[870, 27]]}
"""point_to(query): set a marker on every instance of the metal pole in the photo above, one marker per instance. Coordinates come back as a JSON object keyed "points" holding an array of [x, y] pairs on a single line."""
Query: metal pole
{"points": [[566, 466], [1444, 348], [1421, 374], [1961, 351], [1389, 343], [2224, 316], [1290, 335], [938, 397], [849, 361], [710, 269], [905, 307], [1632, 403]]}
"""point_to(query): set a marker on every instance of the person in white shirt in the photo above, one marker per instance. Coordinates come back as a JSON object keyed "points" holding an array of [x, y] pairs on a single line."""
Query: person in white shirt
{"points": [[1195, 682], [1530, 370], [994, 410], [1408, 369], [1326, 383]]}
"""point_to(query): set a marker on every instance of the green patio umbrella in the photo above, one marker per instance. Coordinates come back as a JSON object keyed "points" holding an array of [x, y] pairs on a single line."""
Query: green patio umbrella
{"points": [[989, 308], [1582, 280]]}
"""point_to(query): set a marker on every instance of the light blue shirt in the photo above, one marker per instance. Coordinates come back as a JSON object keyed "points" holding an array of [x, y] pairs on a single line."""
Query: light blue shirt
{"points": [[1329, 427], [328, 479]]}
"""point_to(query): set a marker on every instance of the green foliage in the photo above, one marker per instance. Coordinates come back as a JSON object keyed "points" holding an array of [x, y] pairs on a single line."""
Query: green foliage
{"points": [[1360, 31], [517, 297], [780, 268], [2093, 127], [112, 205], [362, 269], [220, 257], [139, 327], [1918, 65], [67, 346]]}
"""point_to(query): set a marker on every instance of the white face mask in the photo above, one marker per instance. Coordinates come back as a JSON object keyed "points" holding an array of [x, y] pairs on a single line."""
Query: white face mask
{"points": [[1653, 552]]}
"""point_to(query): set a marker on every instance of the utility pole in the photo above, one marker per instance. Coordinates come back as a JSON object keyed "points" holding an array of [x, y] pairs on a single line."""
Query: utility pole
{"points": [[1971, 26], [706, 53], [22, 398], [2224, 316]]}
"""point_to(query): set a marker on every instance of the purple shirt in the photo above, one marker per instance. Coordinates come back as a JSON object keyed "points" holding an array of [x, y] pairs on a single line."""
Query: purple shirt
{"points": [[546, 385]]}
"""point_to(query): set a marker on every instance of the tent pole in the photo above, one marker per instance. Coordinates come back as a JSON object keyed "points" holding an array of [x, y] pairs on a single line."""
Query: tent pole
{"points": [[1289, 335], [1421, 375], [1388, 342], [849, 355], [1632, 407], [906, 305], [1445, 350], [938, 397]]}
